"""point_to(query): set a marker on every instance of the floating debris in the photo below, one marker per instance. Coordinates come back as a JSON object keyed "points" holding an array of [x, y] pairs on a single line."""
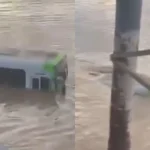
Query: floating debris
{"points": [[93, 73]]}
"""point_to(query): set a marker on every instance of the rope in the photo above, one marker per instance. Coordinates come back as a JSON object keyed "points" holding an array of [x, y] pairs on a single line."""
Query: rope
{"points": [[130, 54], [134, 75], [117, 56]]}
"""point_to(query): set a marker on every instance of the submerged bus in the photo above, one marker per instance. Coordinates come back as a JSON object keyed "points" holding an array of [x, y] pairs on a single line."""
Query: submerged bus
{"points": [[35, 70]]}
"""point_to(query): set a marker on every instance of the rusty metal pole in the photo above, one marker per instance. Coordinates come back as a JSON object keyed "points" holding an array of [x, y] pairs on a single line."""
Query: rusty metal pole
{"points": [[127, 31]]}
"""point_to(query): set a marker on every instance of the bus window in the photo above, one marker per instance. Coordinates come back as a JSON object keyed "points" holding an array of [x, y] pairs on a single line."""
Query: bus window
{"points": [[15, 78], [45, 83], [35, 83]]}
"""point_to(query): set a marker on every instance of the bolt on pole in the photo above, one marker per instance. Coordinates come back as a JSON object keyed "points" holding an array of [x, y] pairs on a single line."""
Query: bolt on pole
{"points": [[127, 32]]}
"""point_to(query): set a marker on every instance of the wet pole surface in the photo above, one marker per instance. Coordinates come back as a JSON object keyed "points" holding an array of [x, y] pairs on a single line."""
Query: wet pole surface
{"points": [[128, 15]]}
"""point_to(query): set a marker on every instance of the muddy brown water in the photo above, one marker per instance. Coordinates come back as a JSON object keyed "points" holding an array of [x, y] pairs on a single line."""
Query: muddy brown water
{"points": [[93, 101], [33, 121]]}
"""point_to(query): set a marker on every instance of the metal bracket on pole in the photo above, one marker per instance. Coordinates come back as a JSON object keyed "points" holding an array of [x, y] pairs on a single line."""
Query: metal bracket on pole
{"points": [[115, 59]]}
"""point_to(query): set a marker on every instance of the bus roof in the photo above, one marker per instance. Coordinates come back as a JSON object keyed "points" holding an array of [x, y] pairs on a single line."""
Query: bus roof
{"points": [[30, 59]]}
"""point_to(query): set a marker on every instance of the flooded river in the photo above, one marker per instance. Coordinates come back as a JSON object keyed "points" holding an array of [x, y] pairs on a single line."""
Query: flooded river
{"points": [[35, 121], [32, 120], [94, 40]]}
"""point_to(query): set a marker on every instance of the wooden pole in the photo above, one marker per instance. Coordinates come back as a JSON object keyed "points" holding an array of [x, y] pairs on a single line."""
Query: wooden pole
{"points": [[127, 30]]}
